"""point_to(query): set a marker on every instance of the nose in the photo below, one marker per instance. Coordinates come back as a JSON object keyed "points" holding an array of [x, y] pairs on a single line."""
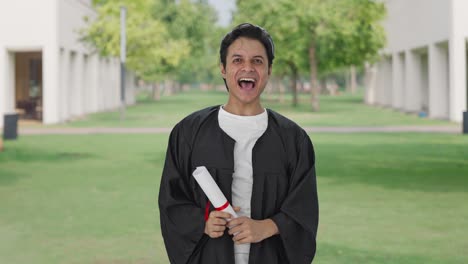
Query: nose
{"points": [[248, 67]]}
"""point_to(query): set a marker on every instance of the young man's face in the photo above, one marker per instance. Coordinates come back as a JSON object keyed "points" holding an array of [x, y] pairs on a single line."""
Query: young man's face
{"points": [[246, 71]]}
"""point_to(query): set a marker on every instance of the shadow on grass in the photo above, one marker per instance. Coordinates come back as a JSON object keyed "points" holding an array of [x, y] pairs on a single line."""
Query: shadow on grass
{"points": [[155, 158], [8, 177], [328, 105], [26, 155], [416, 167], [20, 156], [171, 101], [329, 253]]}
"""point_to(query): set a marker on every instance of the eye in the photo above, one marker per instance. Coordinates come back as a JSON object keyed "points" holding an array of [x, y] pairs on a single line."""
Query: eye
{"points": [[237, 60], [258, 61]]}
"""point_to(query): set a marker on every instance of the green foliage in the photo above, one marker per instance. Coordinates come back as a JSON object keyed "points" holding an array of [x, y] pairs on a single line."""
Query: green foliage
{"points": [[164, 37], [193, 21], [344, 32], [150, 50], [351, 36], [278, 19]]}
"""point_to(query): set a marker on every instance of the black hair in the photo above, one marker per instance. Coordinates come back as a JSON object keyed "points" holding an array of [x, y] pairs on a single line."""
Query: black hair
{"points": [[249, 31]]}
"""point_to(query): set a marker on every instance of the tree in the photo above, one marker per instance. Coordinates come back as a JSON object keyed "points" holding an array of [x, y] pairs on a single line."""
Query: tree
{"points": [[341, 33], [330, 34], [194, 22], [277, 17], [151, 52]]}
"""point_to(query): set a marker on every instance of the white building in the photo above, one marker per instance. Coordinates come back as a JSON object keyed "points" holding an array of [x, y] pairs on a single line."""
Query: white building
{"points": [[46, 73], [424, 66]]}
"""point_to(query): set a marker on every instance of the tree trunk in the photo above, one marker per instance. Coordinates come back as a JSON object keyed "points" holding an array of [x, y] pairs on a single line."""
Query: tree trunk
{"points": [[281, 92], [314, 89], [322, 85], [178, 87], [294, 84], [348, 81], [269, 88], [168, 87], [175, 87], [156, 91], [353, 80]]}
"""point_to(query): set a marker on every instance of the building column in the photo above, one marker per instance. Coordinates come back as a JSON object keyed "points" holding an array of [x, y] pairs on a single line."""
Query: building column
{"points": [[107, 95], [457, 61], [85, 85], [457, 78], [412, 83], [115, 85], [424, 81], [99, 91], [384, 82], [78, 72], [93, 66], [3, 82], [64, 103], [50, 84], [73, 87], [398, 80], [380, 82], [387, 88], [438, 82], [7, 83], [370, 83]]}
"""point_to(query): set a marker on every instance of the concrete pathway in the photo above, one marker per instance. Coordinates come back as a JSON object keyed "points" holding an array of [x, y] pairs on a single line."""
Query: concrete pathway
{"points": [[158, 130]]}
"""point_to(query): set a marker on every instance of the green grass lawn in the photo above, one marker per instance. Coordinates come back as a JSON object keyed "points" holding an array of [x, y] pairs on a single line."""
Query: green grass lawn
{"points": [[384, 198], [344, 110]]}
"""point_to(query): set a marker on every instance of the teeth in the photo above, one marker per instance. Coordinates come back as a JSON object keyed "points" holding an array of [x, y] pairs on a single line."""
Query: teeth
{"points": [[247, 80]]}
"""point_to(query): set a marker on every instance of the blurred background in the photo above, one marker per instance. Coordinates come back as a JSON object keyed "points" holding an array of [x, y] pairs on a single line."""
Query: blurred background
{"points": [[380, 86]]}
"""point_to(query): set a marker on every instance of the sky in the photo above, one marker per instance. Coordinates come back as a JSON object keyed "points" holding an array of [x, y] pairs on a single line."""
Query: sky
{"points": [[224, 8]]}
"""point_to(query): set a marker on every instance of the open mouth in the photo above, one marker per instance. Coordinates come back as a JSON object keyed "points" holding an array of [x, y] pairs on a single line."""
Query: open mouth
{"points": [[246, 83]]}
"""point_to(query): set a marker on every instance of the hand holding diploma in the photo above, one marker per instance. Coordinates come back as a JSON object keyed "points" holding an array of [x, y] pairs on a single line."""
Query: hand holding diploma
{"points": [[212, 191], [217, 220]]}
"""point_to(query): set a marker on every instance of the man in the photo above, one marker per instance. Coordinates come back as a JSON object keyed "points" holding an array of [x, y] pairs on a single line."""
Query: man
{"points": [[262, 162]]}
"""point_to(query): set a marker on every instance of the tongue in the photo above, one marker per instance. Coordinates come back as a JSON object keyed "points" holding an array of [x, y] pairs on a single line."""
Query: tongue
{"points": [[247, 85]]}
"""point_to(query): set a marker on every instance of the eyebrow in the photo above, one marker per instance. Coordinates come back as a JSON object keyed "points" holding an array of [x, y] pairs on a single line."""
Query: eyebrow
{"points": [[256, 56]]}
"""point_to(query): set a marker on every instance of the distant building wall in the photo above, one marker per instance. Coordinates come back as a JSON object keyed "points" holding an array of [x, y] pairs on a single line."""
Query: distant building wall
{"points": [[427, 46], [76, 81]]}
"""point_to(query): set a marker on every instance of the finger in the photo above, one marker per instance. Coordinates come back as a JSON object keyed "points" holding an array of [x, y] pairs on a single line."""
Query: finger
{"points": [[217, 228], [245, 240], [237, 221], [218, 221], [235, 230], [240, 236], [237, 208], [220, 214]]}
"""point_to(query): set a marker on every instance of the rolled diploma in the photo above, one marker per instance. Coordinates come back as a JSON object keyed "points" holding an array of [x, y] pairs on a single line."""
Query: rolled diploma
{"points": [[212, 191]]}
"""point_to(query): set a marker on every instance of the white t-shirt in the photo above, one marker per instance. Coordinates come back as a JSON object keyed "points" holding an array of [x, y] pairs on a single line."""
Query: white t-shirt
{"points": [[245, 130]]}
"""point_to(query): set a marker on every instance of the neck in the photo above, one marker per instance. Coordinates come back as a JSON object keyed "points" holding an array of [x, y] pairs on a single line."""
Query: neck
{"points": [[244, 110]]}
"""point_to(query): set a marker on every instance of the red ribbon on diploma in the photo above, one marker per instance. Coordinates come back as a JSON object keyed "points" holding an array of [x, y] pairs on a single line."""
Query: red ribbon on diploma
{"points": [[222, 207], [207, 208]]}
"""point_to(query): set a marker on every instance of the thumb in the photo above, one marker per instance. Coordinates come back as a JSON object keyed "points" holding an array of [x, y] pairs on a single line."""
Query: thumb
{"points": [[237, 208]]}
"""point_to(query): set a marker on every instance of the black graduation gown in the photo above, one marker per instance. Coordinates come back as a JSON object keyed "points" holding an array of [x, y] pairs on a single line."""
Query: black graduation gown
{"points": [[284, 190]]}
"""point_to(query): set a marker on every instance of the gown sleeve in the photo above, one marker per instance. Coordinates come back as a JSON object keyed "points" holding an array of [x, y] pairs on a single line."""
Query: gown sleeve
{"points": [[182, 221], [297, 220]]}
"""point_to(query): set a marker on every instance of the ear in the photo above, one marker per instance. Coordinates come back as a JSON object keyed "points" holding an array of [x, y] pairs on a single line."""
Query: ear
{"points": [[223, 70]]}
